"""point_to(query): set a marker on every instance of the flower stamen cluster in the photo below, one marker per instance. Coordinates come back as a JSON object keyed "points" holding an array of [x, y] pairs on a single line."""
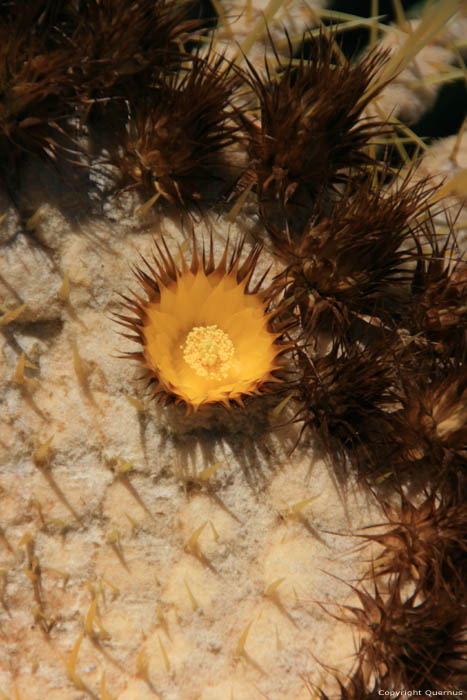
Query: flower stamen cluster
{"points": [[209, 351]]}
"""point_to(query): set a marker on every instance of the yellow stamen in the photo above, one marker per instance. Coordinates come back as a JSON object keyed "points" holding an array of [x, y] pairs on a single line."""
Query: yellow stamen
{"points": [[209, 351]]}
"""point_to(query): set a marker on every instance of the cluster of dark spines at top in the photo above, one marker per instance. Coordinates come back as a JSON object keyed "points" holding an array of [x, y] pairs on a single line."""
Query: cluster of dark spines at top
{"points": [[178, 131], [308, 133], [34, 86], [65, 63], [301, 136], [124, 68]]}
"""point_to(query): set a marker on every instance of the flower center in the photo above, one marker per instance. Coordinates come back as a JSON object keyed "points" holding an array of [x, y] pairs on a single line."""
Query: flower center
{"points": [[209, 351]]}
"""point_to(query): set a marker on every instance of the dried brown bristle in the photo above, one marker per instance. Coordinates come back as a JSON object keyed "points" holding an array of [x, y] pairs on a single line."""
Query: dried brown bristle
{"points": [[178, 131], [431, 425], [354, 262], [58, 60], [344, 397], [311, 132], [353, 688], [34, 84], [124, 46], [425, 544], [408, 642], [438, 308]]}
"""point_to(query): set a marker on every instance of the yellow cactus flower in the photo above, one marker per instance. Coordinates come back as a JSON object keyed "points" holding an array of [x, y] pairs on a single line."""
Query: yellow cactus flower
{"points": [[206, 337]]}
